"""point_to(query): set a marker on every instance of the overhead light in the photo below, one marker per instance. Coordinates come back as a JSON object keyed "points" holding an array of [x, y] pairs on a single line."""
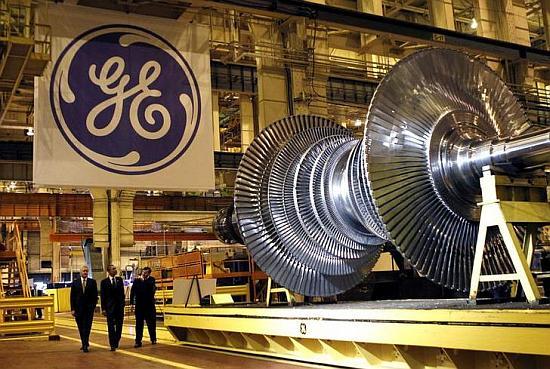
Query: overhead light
{"points": [[473, 23], [29, 131], [358, 123]]}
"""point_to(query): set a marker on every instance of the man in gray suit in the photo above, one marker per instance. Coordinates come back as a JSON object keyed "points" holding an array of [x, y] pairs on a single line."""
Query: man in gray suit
{"points": [[83, 303]]}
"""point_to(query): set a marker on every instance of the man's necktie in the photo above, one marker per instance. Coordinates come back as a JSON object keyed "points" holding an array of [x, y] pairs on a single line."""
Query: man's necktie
{"points": [[113, 281], [84, 285]]}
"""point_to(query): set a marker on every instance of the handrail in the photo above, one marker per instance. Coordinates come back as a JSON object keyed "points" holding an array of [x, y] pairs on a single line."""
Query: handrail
{"points": [[26, 302], [43, 39], [17, 24], [30, 325]]}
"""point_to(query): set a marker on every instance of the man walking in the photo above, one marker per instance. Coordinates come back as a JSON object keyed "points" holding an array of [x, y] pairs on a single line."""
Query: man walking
{"points": [[83, 303], [112, 305], [143, 296]]}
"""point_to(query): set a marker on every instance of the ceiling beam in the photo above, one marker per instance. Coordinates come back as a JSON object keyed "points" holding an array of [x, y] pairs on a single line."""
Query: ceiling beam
{"points": [[138, 237], [406, 31]]}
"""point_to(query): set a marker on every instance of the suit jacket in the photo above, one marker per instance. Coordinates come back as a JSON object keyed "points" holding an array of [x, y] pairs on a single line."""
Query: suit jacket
{"points": [[112, 296], [143, 295], [83, 301]]}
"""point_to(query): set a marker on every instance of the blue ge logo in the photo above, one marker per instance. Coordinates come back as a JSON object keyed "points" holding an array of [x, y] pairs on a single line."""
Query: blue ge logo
{"points": [[125, 99]]}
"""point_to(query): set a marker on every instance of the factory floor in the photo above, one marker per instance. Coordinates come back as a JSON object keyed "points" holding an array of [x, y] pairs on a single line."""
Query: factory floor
{"points": [[65, 353]]}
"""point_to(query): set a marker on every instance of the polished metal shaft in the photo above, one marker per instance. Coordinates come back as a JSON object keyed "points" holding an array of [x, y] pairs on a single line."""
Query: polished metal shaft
{"points": [[523, 151], [457, 165]]}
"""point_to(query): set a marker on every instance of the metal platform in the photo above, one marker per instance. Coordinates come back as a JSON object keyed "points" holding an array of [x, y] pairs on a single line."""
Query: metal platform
{"points": [[383, 334]]}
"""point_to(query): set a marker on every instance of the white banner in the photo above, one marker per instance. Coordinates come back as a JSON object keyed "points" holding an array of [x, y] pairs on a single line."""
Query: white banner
{"points": [[125, 102]]}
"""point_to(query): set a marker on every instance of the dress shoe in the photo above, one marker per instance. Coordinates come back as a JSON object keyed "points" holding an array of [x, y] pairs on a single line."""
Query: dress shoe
{"points": [[113, 348], [85, 349], [137, 345], [154, 342], [81, 348]]}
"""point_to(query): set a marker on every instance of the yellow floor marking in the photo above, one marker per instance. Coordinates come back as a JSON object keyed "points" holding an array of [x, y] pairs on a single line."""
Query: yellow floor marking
{"points": [[104, 332], [127, 331], [140, 356], [195, 347]]}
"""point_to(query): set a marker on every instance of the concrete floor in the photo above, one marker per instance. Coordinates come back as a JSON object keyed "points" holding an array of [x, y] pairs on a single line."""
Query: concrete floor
{"points": [[65, 353]]}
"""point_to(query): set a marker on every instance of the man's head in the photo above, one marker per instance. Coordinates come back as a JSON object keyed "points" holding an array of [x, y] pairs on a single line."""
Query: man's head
{"points": [[84, 271], [111, 269], [146, 272]]}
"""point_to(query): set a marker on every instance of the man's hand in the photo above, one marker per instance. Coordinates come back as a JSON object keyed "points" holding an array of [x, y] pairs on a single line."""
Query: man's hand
{"points": [[73, 313]]}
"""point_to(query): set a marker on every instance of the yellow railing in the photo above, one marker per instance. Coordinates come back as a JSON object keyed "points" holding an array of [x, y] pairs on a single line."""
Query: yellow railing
{"points": [[17, 24], [15, 20], [43, 39], [162, 297], [10, 308]]}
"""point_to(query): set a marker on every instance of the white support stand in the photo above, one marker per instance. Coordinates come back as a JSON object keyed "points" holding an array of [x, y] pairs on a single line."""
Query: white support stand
{"points": [[503, 214], [271, 290]]}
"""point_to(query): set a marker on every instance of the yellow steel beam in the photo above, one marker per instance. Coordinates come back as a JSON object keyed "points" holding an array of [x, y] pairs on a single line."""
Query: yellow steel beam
{"points": [[526, 212], [26, 302], [460, 312], [30, 326], [369, 337], [26, 327]]}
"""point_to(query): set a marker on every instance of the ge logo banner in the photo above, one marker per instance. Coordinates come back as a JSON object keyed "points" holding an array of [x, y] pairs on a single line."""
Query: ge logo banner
{"points": [[125, 99]]}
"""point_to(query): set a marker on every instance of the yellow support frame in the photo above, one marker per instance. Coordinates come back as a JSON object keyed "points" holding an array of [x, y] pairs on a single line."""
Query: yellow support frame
{"points": [[372, 335], [32, 327], [162, 295]]}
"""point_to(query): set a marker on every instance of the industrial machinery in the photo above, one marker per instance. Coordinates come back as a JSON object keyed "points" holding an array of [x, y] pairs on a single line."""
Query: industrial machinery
{"points": [[314, 205]]}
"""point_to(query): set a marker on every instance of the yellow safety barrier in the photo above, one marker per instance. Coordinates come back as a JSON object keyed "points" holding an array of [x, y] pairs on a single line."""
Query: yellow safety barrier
{"points": [[17, 316], [162, 297], [62, 299]]}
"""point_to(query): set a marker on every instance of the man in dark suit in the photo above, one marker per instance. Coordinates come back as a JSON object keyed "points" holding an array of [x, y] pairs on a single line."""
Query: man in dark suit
{"points": [[83, 303], [143, 296], [112, 305]]}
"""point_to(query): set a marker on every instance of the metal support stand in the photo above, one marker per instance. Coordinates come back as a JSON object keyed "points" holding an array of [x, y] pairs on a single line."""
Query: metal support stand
{"points": [[271, 290], [194, 280], [503, 214]]}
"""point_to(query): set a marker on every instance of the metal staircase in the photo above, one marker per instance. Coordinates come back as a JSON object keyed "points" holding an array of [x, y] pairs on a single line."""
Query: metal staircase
{"points": [[13, 264], [14, 280]]}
